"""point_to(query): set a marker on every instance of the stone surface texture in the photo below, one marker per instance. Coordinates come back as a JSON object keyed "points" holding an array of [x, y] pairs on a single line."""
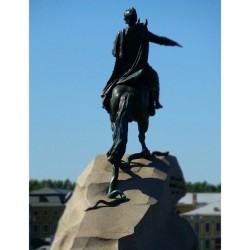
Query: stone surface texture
{"points": [[146, 221]]}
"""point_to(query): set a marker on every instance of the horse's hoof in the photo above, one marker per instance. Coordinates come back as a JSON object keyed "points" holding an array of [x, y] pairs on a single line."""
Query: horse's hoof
{"points": [[160, 153], [115, 193], [112, 195], [146, 153], [125, 164]]}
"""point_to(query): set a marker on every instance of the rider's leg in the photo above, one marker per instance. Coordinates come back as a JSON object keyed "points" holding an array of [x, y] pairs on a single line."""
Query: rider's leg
{"points": [[154, 80]]}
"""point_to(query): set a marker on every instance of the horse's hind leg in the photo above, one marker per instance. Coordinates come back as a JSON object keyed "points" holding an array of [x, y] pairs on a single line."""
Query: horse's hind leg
{"points": [[119, 127], [113, 113], [120, 130], [113, 129], [113, 182]]}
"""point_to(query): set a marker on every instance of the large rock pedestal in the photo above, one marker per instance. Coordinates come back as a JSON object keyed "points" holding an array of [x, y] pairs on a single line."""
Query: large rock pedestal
{"points": [[147, 221]]}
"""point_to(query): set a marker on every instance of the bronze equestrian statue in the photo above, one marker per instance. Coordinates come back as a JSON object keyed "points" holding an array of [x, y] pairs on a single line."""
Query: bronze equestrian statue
{"points": [[132, 92]]}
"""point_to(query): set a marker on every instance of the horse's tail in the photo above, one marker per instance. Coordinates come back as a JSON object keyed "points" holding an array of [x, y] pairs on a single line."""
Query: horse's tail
{"points": [[120, 128]]}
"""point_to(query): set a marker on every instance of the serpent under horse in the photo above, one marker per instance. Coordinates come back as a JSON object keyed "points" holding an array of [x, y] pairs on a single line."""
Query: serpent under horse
{"points": [[127, 103]]}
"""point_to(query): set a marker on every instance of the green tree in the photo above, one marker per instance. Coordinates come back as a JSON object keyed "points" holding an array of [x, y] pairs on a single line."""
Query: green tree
{"points": [[201, 187], [38, 184]]}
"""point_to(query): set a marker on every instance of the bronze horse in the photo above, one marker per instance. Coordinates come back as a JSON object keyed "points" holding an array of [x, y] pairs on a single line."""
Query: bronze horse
{"points": [[127, 103]]}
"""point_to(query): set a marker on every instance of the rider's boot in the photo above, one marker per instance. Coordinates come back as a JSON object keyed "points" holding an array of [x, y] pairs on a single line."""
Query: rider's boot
{"points": [[157, 105]]}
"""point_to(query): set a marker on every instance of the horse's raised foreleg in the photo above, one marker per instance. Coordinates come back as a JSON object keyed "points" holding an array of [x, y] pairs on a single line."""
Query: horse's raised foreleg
{"points": [[143, 128], [145, 153]]}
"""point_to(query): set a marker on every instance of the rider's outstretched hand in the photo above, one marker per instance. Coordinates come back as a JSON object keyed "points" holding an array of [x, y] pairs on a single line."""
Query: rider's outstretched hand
{"points": [[177, 44]]}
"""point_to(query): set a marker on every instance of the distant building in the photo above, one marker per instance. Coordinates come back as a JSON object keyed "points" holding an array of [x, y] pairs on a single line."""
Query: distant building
{"points": [[193, 201], [203, 212], [46, 208]]}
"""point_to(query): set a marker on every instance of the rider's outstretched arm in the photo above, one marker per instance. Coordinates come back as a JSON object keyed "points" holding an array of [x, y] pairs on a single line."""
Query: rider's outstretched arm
{"points": [[161, 40]]}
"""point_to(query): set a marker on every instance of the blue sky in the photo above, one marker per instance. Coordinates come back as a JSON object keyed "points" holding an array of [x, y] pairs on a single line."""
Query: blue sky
{"points": [[70, 61]]}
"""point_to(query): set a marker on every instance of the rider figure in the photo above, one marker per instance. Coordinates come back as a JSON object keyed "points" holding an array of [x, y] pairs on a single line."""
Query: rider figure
{"points": [[131, 49]]}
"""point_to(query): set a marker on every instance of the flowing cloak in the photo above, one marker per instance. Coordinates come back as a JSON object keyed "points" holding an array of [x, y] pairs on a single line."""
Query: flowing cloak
{"points": [[131, 51]]}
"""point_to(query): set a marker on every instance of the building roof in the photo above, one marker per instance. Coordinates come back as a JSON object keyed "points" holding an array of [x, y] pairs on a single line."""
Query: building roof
{"points": [[201, 198], [50, 190], [49, 197], [45, 200], [210, 209]]}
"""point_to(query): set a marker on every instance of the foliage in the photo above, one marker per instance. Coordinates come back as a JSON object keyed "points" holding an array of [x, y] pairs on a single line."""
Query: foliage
{"points": [[202, 187], [37, 184]]}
